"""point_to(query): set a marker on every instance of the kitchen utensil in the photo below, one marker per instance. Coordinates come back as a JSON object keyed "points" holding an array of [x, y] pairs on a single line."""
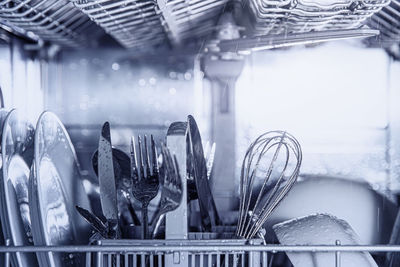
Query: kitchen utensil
{"points": [[145, 177], [17, 156], [108, 191], [208, 210], [55, 189], [100, 226], [321, 229], [281, 154], [171, 190], [122, 174]]}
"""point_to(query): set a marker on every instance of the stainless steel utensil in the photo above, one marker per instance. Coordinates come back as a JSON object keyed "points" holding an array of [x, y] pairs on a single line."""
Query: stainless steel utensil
{"points": [[100, 226], [145, 177], [208, 210], [108, 191], [280, 154], [171, 190], [122, 174]]}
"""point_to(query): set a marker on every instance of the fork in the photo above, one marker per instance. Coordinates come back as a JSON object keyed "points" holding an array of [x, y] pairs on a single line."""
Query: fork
{"points": [[145, 177], [171, 191]]}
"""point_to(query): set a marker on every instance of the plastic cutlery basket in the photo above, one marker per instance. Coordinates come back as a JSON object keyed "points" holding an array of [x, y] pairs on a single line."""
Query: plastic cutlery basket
{"points": [[200, 250]]}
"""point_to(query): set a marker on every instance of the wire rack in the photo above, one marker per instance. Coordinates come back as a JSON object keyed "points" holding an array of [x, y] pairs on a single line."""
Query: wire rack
{"points": [[280, 17], [388, 22], [145, 23], [187, 18], [133, 23], [219, 253], [57, 21]]}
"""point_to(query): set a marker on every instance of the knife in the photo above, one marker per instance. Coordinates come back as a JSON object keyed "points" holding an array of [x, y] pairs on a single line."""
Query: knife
{"points": [[94, 221], [108, 191], [208, 210]]}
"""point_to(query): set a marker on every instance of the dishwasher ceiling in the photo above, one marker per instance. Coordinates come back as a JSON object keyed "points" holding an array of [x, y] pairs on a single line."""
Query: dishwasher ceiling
{"points": [[143, 25]]}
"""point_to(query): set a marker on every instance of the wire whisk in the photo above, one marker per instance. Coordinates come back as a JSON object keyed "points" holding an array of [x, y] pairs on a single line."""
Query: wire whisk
{"points": [[262, 189]]}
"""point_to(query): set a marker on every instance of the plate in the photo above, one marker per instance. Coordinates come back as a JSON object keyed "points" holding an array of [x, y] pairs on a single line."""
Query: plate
{"points": [[56, 188], [17, 156], [3, 114]]}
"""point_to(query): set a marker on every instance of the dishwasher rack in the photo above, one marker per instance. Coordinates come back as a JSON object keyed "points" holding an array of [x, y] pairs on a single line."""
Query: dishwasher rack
{"points": [[204, 253]]}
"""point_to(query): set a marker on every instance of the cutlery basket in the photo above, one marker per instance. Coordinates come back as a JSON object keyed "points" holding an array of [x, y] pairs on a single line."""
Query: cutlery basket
{"points": [[200, 250]]}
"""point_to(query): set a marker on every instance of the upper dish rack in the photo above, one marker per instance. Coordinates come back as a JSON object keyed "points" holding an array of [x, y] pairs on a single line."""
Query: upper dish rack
{"points": [[280, 17], [57, 21], [133, 23], [145, 23], [187, 18], [388, 22]]}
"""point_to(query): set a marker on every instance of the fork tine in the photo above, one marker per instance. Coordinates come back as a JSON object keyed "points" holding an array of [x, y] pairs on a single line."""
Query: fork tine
{"points": [[141, 157], [147, 158], [134, 170], [154, 155]]}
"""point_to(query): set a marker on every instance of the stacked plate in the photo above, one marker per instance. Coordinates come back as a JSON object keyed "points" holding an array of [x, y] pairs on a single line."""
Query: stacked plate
{"points": [[55, 189], [17, 156], [39, 188], [290, 16]]}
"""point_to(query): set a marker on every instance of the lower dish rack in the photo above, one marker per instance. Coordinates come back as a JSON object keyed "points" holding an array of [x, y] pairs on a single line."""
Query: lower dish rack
{"points": [[191, 253]]}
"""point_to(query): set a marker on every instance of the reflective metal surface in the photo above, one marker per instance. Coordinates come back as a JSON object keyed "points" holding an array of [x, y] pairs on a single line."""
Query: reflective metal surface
{"points": [[17, 156], [57, 21], [56, 189], [280, 17], [269, 170], [208, 209], [108, 190]]}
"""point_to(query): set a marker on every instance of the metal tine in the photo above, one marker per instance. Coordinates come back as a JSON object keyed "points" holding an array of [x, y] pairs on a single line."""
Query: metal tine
{"points": [[134, 169], [154, 156], [141, 174], [147, 159]]}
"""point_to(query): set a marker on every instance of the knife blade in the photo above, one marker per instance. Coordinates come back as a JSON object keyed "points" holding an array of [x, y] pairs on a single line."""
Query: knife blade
{"points": [[208, 210], [108, 191]]}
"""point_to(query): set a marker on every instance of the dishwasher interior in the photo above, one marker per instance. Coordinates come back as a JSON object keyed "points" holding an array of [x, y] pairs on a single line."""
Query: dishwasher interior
{"points": [[199, 133]]}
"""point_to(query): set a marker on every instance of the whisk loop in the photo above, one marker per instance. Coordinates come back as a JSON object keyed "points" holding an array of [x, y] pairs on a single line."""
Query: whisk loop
{"points": [[253, 214]]}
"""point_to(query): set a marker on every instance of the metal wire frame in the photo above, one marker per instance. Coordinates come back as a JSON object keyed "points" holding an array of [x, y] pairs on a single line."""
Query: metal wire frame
{"points": [[388, 22], [188, 18], [181, 246], [275, 17], [57, 21], [133, 23]]}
